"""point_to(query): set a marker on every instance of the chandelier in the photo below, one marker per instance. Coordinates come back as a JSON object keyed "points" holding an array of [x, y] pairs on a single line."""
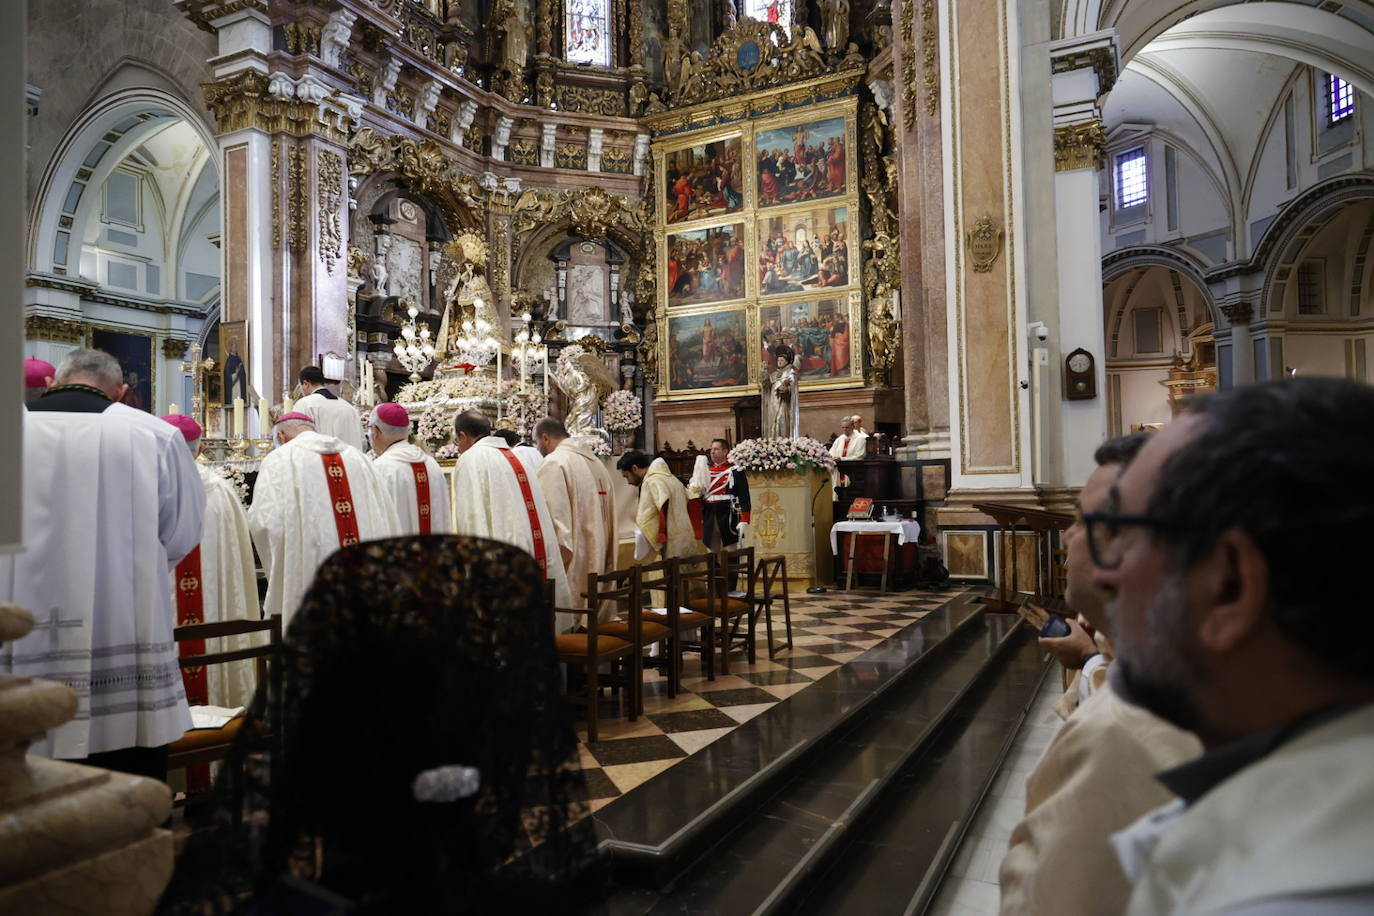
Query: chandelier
{"points": [[530, 353], [477, 346], [414, 350]]}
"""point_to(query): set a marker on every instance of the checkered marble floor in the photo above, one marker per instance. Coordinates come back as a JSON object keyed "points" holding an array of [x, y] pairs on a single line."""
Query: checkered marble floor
{"points": [[827, 631]]}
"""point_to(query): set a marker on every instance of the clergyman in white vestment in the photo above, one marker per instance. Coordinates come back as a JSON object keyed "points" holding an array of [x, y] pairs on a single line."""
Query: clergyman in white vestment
{"points": [[218, 582], [333, 415], [314, 494], [490, 486], [413, 480], [112, 501], [581, 499], [850, 445]]}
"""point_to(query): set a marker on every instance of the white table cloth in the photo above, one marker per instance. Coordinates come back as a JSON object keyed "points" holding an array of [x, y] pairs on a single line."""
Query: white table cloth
{"points": [[907, 531]]}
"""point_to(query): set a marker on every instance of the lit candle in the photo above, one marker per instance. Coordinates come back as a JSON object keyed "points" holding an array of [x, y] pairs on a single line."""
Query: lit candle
{"points": [[174, 409], [238, 416]]}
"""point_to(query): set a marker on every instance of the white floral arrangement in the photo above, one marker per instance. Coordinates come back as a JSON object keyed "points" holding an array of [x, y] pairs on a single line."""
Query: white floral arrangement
{"points": [[525, 406], [800, 455], [448, 452], [236, 480], [439, 391], [601, 448], [435, 427], [622, 411]]}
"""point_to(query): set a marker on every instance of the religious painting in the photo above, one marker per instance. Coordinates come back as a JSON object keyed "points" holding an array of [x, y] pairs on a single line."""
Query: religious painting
{"points": [[231, 360], [705, 265], [778, 12], [707, 352], [804, 250], [800, 162], [586, 36], [821, 332], [702, 181], [135, 355]]}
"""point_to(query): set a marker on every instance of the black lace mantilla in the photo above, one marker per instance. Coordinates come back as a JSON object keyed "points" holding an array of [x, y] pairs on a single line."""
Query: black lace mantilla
{"points": [[406, 655]]}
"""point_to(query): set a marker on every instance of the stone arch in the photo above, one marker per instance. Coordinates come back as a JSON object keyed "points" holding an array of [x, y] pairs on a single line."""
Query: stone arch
{"points": [[1127, 259], [1283, 240]]}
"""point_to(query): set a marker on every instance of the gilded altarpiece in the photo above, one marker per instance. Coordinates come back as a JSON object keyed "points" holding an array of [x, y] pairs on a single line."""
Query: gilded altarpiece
{"points": [[758, 236]]}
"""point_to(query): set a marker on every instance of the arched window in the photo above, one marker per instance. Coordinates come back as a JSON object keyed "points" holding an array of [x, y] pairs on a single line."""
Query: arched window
{"points": [[586, 32], [778, 11]]}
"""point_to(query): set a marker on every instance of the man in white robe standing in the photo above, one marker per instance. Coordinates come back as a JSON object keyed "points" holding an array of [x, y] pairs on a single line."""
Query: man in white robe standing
{"points": [[217, 582], [581, 499], [112, 501], [413, 480], [496, 497], [333, 416], [850, 445], [314, 494]]}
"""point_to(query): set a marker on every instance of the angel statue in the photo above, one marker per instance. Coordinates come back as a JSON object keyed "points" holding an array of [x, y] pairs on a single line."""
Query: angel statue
{"points": [[583, 377], [781, 404]]}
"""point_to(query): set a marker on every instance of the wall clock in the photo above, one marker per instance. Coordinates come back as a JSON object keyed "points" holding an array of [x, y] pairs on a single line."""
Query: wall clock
{"points": [[1080, 375]]}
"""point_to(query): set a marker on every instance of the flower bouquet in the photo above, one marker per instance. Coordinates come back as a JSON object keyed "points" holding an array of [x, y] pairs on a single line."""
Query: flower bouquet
{"points": [[236, 480], [622, 411], [798, 455]]}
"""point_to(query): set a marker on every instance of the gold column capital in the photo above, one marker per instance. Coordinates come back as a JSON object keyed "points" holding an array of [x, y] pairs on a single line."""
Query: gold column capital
{"points": [[1079, 146]]}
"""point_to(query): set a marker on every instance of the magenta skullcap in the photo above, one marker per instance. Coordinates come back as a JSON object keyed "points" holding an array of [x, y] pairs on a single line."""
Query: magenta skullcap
{"points": [[37, 372], [392, 414], [294, 415], [190, 429]]}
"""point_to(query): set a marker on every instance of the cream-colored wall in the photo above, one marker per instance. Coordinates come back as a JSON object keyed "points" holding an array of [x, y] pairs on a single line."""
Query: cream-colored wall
{"points": [[1143, 398], [1315, 354]]}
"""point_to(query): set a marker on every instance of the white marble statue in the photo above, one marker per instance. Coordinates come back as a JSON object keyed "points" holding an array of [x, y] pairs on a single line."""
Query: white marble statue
{"points": [[781, 406]]}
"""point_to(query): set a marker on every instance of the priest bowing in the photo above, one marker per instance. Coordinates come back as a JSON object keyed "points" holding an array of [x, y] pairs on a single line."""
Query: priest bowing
{"points": [[216, 582], [581, 500], [314, 494], [411, 477], [662, 526], [494, 496]]}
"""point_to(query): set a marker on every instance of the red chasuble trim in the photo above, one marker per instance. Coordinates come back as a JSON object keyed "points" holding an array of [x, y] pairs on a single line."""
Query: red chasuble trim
{"points": [[341, 499], [190, 598], [536, 530], [422, 493]]}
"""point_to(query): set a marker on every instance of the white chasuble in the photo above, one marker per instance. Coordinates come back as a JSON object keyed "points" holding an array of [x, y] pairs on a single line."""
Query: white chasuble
{"points": [[489, 502], [112, 501], [229, 588], [404, 469], [333, 417], [295, 521], [847, 448], [581, 499], [662, 516]]}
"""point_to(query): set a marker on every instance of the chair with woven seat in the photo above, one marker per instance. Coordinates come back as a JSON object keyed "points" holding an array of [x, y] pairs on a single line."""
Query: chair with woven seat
{"points": [[705, 590], [630, 624], [591, 649], [659, 583], [208, 745], [772, 578], [739, 576]]}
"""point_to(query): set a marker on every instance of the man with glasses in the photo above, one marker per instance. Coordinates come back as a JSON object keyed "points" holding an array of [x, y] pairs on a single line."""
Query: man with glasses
{"points": [[1231, 549], [1097, 774]]}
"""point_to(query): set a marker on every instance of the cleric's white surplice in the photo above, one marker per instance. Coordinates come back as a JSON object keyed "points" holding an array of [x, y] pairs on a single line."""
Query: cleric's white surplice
{"points": [[581, 500], [489, 503], [333, 416], [847, 448], [112, 501], [394, 469], [293, 517], [229, 588]]}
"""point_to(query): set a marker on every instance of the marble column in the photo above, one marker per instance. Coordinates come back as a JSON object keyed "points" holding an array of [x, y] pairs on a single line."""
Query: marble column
{"points": [[1239, 369]]}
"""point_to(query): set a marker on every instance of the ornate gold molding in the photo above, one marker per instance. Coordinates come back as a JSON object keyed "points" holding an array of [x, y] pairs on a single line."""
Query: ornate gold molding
{"points": [[930, 58], [330, 194], [570, 156], [1238, 312], [297, 233], [202, 12], [275, 181], [58, 330], [425, 167], [984, 244], [592, 212], [590, 101], [753, 104], [1079, 146], [173, 348], [617, 160], [241, 102], [1101, 59], [908, 31]]}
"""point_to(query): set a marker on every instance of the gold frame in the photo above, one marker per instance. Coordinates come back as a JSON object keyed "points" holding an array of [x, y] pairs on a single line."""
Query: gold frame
{"points": [[851, 223], [845, 108], [153, 355], [751, 356]]}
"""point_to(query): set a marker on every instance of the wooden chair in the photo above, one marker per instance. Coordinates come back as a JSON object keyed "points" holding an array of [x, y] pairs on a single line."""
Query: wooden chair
{"points": [[698, 584], [736, 565], [633, 627], [772, 573], [207, 745], [659, 583], [590, 649], [716, 602]]}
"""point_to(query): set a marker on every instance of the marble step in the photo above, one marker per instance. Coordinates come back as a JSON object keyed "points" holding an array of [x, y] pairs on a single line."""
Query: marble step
{"points": [[768, 860], [658, 830]]}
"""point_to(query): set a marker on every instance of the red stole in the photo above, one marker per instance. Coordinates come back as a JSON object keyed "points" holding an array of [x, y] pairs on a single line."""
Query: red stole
{"points": [[190, 599], [844, 452], [422, 493], [536, 530], [341, 498]]}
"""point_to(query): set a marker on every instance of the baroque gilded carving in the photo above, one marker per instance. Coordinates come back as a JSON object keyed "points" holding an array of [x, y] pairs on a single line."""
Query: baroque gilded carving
{"points": [[1079, 146], [618, 160], [58, 330], [297, 235], [908, 30], [242, 101], [422, 163], [174, 348], [570, 156], [275, 181], [591, 211], [330, 198], [357, 262], [590, 101], [930, 71], [524, 151], [984, 244], [1101, 59]]}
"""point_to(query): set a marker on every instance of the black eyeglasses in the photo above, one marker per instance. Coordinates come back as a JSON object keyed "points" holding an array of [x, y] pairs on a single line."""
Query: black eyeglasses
{"points": [[1102, 528]]}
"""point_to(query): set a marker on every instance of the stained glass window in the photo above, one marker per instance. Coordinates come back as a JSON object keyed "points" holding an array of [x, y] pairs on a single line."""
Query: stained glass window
{"points": [[779, 11], [1340, 99], [586, 35]]}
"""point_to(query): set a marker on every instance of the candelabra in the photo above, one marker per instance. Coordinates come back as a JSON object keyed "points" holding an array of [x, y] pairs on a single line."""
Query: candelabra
{"points": [[531, 353], [477, 346], [414, 350]]}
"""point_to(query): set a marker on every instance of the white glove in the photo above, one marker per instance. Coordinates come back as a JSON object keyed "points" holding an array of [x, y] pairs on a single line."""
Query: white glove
{"points": [[641, 545], [742, 529]]}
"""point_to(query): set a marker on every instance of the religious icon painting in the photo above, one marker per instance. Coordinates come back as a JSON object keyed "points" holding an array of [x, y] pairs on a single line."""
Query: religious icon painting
{"points": [[586, 32], [800, 162], [821, 332], [702, 181], [135, 355], [708, 352], [804, 250], [705, 265]]}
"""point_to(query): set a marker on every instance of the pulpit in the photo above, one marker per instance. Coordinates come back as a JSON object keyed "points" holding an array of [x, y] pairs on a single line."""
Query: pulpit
{"points": [[878, 478]]}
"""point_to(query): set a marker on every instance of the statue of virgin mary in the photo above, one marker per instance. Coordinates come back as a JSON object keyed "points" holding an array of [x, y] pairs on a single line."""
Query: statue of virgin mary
{"points": [[781, 404]]}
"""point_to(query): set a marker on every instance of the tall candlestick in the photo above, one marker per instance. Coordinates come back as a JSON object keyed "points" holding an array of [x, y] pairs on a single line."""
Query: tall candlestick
{"points": [[238, 416], [264, 415], [173, 409], [287, 403], [498, 379]]}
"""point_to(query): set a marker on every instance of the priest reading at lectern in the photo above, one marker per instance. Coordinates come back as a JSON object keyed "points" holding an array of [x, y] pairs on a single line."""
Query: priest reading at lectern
{"points": [[850, 445], [411, 477], [216, 582], [495, 497], [314, 495]]}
